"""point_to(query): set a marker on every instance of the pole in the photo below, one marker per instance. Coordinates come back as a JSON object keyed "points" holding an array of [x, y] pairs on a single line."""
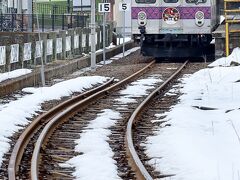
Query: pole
{"points": [[39, 38], [123, 33], [104, 37], [93, 31]]}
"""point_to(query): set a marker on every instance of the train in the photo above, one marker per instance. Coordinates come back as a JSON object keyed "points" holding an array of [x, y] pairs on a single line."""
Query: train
{"points": [[174, 28]]}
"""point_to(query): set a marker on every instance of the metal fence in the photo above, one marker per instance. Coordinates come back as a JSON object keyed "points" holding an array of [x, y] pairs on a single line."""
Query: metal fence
{"points": [[47, 22], [52, 8]]}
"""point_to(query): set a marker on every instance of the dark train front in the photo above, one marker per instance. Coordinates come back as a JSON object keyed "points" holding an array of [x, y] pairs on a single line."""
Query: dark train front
{"points": [[174, 28]]}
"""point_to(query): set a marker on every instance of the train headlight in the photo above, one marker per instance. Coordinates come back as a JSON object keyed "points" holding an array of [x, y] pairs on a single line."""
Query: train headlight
{"points": [[142, 18], [199, 18]]}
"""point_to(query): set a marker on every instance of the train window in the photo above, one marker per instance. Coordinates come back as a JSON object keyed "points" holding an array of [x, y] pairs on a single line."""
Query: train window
{"points": [[196, 1], [170, 1], [146, 1]]}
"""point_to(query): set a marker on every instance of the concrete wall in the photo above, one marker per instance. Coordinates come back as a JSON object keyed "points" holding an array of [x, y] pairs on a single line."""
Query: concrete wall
{"points": [[57, 71]]}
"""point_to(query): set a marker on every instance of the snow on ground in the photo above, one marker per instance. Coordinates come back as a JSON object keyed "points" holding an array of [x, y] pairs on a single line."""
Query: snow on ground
{"points": [[96, 161], [16, 112], [138, 89], [97, 154], [226, 61], [201, 144], [14, 74]]}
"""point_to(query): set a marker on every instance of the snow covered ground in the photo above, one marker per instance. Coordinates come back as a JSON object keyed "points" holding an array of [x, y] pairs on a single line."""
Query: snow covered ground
{"points": [[199, 144], [97, 153], [14, 74], [202, 144], [17, 112]]}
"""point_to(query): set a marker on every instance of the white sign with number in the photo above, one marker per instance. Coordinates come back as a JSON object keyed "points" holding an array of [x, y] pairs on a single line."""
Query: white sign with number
{"points": [[59, 45], [2, 55], [76, 41], [68, 43], [49, 47], [104, 7], [38, 49], [124, 6], [84, 39], [27, 52], [14, 53]]}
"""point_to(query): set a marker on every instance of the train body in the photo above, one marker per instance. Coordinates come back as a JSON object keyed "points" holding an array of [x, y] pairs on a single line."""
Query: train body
{"points": [[174, 28]]}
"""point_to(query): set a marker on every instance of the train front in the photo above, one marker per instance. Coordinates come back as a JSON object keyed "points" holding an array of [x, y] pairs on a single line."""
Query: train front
{"points": [[173, 28]]}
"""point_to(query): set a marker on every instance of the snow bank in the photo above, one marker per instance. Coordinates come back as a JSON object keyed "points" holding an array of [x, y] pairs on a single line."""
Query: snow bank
{"points": [[234, 57], [14, 74], [16, 112], [201, 144]]}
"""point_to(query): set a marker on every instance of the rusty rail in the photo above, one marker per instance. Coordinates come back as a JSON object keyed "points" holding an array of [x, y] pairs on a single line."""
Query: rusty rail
{"points": [[48, 129], [24, 138], [70, 106], [134, 159]]}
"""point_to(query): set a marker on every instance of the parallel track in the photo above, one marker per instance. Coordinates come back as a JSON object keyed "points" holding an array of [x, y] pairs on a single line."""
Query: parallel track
{"points": [[72, 107]]}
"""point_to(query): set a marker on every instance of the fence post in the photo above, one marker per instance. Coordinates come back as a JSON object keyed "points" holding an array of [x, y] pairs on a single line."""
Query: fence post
{"points": [[63, 22], [80, 40], [71, 21], [88, 45], [32, 22], [53, 36], [22, 21], [8, 64], [78, 20], [12, 21], [53, 22], [62, 34], [1, 22], [42, 22], [71, 33]]}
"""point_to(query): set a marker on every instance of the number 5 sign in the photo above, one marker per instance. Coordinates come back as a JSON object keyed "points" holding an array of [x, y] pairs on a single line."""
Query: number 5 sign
{"points": [[104, 7], [124, 6]]}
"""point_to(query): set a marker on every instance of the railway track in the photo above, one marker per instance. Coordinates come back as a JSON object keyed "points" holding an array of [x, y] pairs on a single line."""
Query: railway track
{"points": [[55, 132]]}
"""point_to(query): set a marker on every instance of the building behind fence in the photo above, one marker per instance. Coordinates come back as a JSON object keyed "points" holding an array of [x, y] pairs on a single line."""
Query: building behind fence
{"points": [[13, 22]]}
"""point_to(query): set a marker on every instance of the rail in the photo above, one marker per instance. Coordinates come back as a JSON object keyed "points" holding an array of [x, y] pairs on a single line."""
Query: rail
{"points": [[24, 138], [49, 120], [139, 167]]}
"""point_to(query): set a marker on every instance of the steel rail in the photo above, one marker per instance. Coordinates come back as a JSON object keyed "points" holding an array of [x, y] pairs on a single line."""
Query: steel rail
{"points": [[25, 137], [62, 116], [134, 159]]}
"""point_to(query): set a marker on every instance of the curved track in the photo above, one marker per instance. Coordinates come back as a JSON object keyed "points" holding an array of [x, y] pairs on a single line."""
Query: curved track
{"points": [[47, 125], [72, 106], [135, 160]]}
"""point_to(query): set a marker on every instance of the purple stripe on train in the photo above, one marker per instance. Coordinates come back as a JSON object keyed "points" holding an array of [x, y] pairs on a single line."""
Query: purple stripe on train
{"points": [[185, 12]]}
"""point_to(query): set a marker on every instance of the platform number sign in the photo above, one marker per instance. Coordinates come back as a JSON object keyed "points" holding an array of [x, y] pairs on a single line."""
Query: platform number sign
{"points": [[104, 7], [124, 6]]}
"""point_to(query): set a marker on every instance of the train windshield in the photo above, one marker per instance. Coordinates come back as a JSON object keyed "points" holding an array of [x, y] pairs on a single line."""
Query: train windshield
{"points": [[196, 1], [170, 1], [145, 1]]}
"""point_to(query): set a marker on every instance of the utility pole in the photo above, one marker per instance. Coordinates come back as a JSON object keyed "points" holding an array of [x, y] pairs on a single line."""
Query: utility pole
{"points": [[104, 36], [93, 32], [42, 69]]}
